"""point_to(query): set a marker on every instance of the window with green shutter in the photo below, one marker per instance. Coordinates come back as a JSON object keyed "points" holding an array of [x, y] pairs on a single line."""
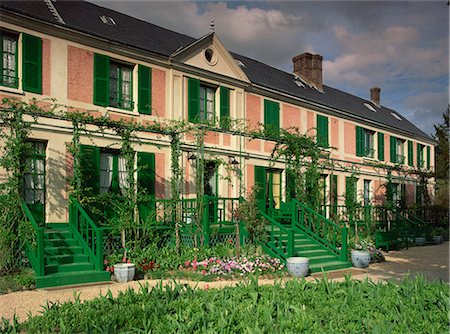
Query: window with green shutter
{"points": [[146, 181], [145, 90], [322, 131], [193, 100], [410, 153], [32, 64], [8, 54], [420, 160], [90, 169], [225, 108], [380, 146], [271, 118], [101, 80], [392, 150], [201, 102], [260, 186], [428, 157], [364, 142]]}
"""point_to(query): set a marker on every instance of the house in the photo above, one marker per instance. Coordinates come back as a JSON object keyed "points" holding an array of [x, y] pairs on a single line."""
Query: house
{"points": [[105, 63]]}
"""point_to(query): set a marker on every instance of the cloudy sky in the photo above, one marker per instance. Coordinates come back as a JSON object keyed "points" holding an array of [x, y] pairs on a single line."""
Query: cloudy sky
{"points": [[401, 47]]}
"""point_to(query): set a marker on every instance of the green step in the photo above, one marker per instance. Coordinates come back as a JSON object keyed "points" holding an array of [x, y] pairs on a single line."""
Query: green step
{"points": [[312, 252], [63, 250], [66, 259], [334, 265], [321, 259], [70, 278], [69, 267], [60, 242], [63, 234]]}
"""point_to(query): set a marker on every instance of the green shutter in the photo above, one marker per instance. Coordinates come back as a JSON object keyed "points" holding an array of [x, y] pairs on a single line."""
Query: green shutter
{"points": [[393, 149], [145, 90], [350, 190], [322, 130], [290, 184], [146, 179], [334, 193], [271, 118], [419, 155], [32, 64], [380, 146], [359, 141], [410, 153], [193, 100], [260, 185], [90, 168], [224, 108], [428, 157], [101, 80], [146, 175]]}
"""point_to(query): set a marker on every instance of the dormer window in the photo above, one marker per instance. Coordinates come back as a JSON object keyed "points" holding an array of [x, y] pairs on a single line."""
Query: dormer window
{"points": [[108, 20]]}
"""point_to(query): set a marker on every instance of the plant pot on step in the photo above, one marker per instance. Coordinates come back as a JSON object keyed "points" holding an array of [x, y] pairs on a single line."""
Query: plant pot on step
{"points": [[297, 266], [124, 272], [360, 259], [437, 239], [420, 241]]}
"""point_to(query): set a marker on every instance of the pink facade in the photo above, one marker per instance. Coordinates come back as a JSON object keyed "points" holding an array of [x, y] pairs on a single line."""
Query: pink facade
{"points": [[250, 177], [253, 111], [226, 139], [387, 155], [160, 166], [311, 131], [212, 138], [46, 67], [410, 196], [291, 116], [80, 74], [334, 132], [349, 138], [379, 192], [158, 93], [253, 144]]}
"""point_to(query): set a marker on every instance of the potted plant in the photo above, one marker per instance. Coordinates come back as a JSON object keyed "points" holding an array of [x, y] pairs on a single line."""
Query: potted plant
{"points": [[437, 236], [360, 254], [420, 240]]}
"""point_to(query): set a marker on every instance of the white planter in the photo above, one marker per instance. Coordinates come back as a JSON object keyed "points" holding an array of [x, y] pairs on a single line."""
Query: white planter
{"points": [[420, 241], [360, 259], [298, 266], [437, 239], [124, 272]]}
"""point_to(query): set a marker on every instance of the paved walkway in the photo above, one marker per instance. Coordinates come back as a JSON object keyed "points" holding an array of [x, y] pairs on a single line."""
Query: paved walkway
{"points": [[430, 261]]}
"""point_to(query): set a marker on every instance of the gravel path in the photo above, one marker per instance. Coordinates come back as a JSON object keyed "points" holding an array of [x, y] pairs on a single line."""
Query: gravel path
{"points": [[430, 261]]}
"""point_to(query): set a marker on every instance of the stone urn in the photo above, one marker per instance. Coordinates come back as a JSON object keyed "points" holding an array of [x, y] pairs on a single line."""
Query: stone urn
{"points": [[298, 266], [360, 259], [124, 272], [420, 241]]}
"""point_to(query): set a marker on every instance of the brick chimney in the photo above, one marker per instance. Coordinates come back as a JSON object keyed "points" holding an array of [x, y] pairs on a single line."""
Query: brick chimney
{"points": [[309, 68], [375, 96]]}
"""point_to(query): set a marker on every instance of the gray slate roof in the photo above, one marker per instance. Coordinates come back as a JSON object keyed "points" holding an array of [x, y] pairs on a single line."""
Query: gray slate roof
{"points": [[84, 17]]}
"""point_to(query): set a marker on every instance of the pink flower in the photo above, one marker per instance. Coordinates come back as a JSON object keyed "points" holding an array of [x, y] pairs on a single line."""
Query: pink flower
{"points": [[124, 259], [105, 262], [203, 272], [128, 261], [107, 268], [187, 263], [206, 286], [194, 264]]}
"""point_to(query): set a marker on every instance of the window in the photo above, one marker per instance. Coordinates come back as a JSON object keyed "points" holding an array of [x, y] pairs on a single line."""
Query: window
{"points": [[206, 104], [113, 173], [397, 150], [364, 142], [366, 192], [9, 60], [113, 85], [202, 103], [322, 131], [271, 118], [428, 157], [120, 83]]}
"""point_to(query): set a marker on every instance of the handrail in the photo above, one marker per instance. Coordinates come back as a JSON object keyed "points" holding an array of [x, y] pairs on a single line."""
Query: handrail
{"points": [[36, 255], [87, 233], [284, 249], [320, 228]]}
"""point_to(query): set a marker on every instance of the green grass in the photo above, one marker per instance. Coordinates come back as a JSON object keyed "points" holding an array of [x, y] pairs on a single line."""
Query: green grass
{"points": [[414, 306], [22, 280]]}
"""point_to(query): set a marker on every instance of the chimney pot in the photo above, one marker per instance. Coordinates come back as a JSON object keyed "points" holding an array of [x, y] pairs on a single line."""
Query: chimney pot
{"points": [[375, 95], [309, 68]]}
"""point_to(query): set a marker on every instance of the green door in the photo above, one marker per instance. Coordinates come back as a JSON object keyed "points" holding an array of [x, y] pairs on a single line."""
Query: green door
{"points": [[210, 189], [268, 188], [33, 182]]}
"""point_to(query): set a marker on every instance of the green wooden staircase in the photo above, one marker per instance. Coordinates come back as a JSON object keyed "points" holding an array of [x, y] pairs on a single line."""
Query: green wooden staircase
{"points": [[63, 254], [296, 230]]}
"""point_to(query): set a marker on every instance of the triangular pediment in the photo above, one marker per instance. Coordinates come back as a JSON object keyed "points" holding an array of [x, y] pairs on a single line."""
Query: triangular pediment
{"points": [[209, 53]]}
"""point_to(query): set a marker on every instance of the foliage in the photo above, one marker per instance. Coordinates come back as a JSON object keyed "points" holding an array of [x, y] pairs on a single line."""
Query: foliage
{"points": [[21, 280], [352, 306], [442, 160], [248, 213], [367, 244]]}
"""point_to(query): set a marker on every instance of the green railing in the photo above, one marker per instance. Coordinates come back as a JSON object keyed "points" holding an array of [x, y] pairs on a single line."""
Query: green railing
{"points": [[328, 233], [35, 250], [280, 239], [87, 233]]}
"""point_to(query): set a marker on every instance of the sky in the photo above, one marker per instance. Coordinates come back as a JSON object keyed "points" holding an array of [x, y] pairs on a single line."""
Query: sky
{"points": [[401, 47]]}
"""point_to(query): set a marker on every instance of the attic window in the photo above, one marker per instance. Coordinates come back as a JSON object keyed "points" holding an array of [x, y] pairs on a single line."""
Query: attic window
{"points": [[368, 106], [210, 56], [299, 83], [240, 63], [108, 20], [396, 116]]}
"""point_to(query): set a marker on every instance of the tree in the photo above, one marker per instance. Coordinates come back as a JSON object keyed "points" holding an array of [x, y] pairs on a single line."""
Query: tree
{"points": [[442, 159]]}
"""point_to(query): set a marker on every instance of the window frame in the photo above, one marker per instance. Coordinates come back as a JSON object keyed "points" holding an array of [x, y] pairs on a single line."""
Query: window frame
{"points": [[14, 36], [204, 112], [121, 67]]}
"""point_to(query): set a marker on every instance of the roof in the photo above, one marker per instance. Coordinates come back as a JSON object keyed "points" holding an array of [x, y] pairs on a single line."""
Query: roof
{"points": [[84, 17]]}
